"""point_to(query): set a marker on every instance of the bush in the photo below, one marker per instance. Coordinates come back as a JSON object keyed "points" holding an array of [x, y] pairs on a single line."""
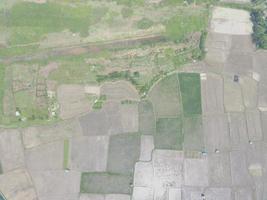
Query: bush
{"points": [[144, 23], [126, 12], [259, 28], [182, 25]]}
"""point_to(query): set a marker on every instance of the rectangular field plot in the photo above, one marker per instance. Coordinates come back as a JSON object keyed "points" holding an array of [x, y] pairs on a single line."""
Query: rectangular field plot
{"points": [[147, 124], [193, 133], [106, 183], [165, 97], [123, 153], [191, 93], [169, 134]]}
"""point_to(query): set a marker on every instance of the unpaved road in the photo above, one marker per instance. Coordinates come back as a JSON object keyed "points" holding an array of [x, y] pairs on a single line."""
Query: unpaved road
{"points": [[85, 48]]}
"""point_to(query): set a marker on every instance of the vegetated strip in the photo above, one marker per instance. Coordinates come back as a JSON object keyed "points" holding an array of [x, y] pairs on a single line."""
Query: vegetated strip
{"points": [[105, 183], [66, 153], [190, 87], [92, 47]]}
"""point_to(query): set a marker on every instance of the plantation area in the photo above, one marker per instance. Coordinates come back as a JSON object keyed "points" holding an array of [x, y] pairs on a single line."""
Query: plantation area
{"points": [[55, 43]]}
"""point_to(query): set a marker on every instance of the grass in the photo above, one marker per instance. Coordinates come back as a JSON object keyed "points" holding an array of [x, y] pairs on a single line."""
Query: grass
{"points": [[29, 22], [74, 72], [144, 23], [193, 133], [99, 102], [106, 183], [66, 153], [123, 153], [16, 51], [130, 2], [242, 6], [169, 134], [165, 97], [183, 24], [190, 89], [26, 105], [146, 118]]}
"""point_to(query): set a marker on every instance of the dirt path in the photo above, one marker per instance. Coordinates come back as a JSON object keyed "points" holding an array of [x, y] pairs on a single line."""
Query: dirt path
{"points": [[86, 48]]}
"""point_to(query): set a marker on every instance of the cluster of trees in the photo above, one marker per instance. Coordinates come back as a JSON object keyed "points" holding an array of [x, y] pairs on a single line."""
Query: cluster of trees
{"points": [[259, 20], [118, 75]]}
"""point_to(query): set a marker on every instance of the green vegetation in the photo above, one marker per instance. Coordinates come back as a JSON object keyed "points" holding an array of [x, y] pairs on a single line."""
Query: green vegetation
{"points": [[190, 88], [144, 23], [66, 153], [26, 105], [126, 12], [202, 47], [145, 88], [187, 2], [182, 25], [259, 20], [123, 153], [130, 2], [193, 133], [99, 102], [29, 22], [146, 118], [242, 6], [17, 50], [128, 102], [169, 134], [74, 72], [106, 183], [118, 75]]}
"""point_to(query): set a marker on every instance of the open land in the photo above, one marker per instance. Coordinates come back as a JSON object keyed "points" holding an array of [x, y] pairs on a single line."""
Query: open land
{"points": [[131, 100]]}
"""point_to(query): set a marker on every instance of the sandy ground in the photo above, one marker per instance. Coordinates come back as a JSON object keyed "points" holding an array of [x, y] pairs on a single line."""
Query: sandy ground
{"points": [[231, 21], [72, 101], [45, 71]]}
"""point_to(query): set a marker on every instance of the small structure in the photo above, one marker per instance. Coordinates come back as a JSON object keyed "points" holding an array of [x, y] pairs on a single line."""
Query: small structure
{"points": [[236, 78]]}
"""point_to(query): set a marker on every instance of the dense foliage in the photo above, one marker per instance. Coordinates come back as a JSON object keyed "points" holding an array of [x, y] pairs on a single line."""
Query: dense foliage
{"points": [[259, 20]]}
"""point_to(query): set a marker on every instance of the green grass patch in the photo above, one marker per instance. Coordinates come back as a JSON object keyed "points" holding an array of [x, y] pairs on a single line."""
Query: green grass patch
{"points": [[169, 134], [99, 102], [106, 183], [147, 124], [144, 23], [29, 22], [190, 88], [242, 6], [26, 104], [123, 153], [66, 153], [16, 51], [193, 133], [74, 72], [130, 2], [184, 24], [127, 12], [259, 19]]}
